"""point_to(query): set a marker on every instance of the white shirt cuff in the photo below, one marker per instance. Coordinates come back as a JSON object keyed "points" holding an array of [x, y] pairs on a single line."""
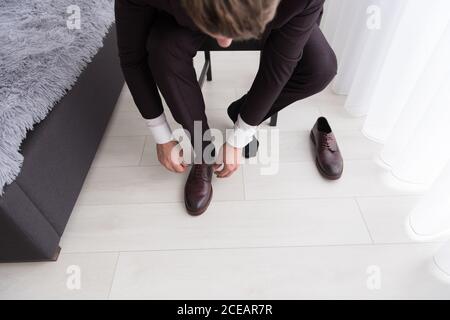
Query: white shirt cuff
{"points": [[242, 134], [160, 129]]}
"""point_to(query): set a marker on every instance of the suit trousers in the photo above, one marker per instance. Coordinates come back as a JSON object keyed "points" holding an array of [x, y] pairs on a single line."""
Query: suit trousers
{"points": [[165, 57]]}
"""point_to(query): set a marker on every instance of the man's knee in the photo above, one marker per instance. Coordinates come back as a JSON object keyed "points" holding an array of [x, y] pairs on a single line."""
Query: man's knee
{"points": [[331, 66], [326, 72]]}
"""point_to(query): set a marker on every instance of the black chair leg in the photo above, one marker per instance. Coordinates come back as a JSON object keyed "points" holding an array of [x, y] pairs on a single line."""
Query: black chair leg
{"points": [[274, 120], [209, 72], [206, 70]]}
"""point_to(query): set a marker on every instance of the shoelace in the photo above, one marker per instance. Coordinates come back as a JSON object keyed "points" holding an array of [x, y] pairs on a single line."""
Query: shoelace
{"points": [[327, 142], [198, 172]]}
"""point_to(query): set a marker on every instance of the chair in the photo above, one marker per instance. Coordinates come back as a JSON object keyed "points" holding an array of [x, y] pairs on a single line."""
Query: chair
{"points": [[211, 45]]}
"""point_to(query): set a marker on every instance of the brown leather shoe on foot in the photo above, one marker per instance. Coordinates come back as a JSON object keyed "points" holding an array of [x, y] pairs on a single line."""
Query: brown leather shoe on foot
{"points": [[198, 190], [328, 156]]}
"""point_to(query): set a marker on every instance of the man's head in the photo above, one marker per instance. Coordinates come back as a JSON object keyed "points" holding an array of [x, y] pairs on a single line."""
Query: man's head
{"points": [[231, 19]]}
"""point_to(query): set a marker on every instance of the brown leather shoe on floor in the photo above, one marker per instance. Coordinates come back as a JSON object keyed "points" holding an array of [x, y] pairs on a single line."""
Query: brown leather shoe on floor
{"points": [[328, 157], [198, 190]]}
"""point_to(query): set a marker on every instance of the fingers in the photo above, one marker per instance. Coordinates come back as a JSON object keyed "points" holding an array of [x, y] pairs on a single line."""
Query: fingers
{"points": [[227, 171], [173, 161], [181, 159], [178, 168], [179, 165], [220, 169], [175, 167], [224, 174], [230, 162]]}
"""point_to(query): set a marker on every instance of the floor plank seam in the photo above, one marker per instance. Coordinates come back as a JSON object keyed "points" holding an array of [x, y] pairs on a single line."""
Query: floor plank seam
{"points": [[321, 246], [251, 200], [143, 151], [364, 219], [113, 275]]}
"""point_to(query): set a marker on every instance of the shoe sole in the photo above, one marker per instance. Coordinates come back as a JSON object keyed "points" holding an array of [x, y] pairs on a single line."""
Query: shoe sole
{"points": [[200, 212], [321, 171]]}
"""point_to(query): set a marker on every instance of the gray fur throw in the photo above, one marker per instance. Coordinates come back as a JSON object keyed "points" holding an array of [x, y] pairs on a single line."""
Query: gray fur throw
{"points": [[44, 47]]}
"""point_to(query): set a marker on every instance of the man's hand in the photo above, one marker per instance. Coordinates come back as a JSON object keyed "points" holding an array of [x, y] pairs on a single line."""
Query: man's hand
{"points": [[170, 155], [230, 159]]}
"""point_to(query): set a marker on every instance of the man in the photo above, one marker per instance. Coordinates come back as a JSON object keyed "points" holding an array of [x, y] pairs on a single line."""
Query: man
{"points": [[157, 42]]}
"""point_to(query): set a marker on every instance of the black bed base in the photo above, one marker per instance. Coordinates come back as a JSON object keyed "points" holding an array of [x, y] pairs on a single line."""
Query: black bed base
{"points": [[58, 153]]}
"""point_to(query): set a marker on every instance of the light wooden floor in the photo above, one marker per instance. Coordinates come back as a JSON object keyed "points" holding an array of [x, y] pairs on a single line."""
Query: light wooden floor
{"points": [[289, 235]]}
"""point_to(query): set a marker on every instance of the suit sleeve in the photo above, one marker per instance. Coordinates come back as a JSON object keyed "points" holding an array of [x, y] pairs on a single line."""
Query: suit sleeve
{"points": [[281, 54]]}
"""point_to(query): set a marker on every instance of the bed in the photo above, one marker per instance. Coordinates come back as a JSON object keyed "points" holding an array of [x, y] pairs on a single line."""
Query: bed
{"points": [[58, 152]]}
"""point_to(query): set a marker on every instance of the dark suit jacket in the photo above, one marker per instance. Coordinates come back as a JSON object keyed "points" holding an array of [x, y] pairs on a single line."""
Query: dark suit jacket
{"points": [[283, 43]]}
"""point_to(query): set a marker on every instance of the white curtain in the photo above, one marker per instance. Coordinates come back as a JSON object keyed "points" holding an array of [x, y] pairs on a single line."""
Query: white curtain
{"points": [[394, 66]]}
